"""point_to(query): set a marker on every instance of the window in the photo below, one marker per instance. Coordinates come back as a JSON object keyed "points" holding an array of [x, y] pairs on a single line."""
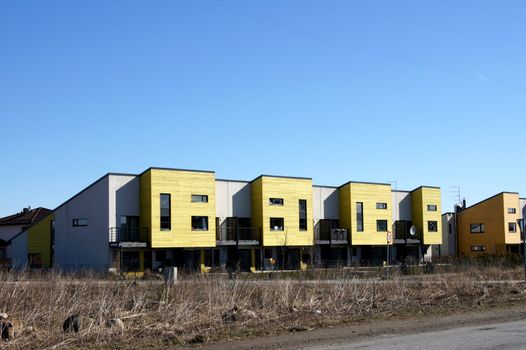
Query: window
{"points": [[359, 216], [165, 212], [431, 207], [432, 226], [277, 224], [130, 261], [478, 248], [200, 223], [450, 228], [303, 214], [80, 222], [381, 205], [275, 201], [476, 228], [381, 225], [199, 198], [512, 210], [512, 227]]}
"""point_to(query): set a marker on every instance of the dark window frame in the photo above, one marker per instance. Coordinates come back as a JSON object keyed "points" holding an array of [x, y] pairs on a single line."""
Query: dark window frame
{"points": [[478, 248], [200, 217], [381, 205], [514, 225], [75, 222], [473, 228], [303, 225], [199, 198], [359, 217], [512, 210], [430, 224], [382, 225], [276, 201], [432, 207], [166, 223], [280, 227]]}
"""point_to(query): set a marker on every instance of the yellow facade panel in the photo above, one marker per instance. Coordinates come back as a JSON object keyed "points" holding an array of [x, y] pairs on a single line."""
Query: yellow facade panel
{"points": [[180, 185], [291, 191], [39, 240], [427, 214], [376, 205]]}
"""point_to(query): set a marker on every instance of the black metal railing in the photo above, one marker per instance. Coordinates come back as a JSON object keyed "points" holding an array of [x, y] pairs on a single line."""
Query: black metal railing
{"points": [[402, 231], [117, 234], [231, 230], [328, 230]]}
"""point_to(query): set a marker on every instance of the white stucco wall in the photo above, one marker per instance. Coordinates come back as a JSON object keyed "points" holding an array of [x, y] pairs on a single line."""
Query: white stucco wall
{"points": [[233, 199], [84, 247], [17, 251]]}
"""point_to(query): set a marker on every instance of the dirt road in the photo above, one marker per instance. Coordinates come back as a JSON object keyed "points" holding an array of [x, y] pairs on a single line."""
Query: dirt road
{"points": [[374, 329]]}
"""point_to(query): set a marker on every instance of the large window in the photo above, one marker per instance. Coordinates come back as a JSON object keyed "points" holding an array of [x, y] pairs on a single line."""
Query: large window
{"points": [[381, 225], [512, 227], [200, 223], [303, 214], [199, 198], [275, 201], [432, 226], [431, 207], [381, 205], [476, 228], [80, 222], [277, 224], [359, 216], [166, 222]]}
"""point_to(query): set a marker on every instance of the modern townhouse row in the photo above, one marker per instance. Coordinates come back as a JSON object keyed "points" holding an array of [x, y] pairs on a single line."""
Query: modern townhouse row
{"points": [[190, 219]]}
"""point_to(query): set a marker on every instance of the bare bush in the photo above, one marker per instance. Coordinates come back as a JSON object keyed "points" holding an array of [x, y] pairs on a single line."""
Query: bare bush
{"points": [[209, 307]]}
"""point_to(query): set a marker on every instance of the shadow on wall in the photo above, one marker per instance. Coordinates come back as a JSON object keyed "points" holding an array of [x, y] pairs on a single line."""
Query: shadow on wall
{"points": [[404, 208], [127, 198], [241, 202], [331, 209]]}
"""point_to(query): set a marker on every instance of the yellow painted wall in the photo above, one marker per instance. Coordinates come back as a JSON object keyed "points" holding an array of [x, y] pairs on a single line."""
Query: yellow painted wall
{"points": [[39, 240], [420, 199], [291, 190], [180, 184], [493, 213], [369, 195]]}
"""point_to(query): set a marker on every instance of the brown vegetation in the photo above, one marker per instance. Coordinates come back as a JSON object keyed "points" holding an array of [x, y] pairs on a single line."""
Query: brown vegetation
{"points": [[204, 308]]}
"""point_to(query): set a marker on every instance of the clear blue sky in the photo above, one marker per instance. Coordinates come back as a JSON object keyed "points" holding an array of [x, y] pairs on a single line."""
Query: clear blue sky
{"points": [[419, 92]]}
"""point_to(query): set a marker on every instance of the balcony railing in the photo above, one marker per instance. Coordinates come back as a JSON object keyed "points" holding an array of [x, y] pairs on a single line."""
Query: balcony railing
{"points": [[129, 236], [327, 232], [231, 233]]}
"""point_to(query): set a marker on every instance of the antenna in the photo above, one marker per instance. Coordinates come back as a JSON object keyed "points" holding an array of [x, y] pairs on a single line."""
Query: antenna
{"points": [[454, 191]]}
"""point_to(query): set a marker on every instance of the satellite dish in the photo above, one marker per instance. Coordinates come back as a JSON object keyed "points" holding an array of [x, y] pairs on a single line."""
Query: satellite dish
{"points": [[412, 230]]}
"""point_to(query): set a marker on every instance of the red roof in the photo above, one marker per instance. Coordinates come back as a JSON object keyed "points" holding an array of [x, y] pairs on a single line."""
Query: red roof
{"points": [[26, 217]]}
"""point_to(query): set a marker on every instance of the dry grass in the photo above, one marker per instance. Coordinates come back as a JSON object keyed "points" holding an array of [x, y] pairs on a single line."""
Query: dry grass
{"points": [[198, 308]]}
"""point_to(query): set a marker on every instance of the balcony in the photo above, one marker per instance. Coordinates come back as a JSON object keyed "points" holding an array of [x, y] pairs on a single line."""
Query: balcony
{"points": [[232, 232], [402, 234], [128, 238], [327, 232]]}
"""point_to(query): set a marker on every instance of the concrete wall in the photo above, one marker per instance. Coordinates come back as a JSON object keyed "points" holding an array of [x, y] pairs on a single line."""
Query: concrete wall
{"points": [[124, 197], [86, 246], [233, 199], [325, 203], [449, 237], [17, 251], [401, 202]]}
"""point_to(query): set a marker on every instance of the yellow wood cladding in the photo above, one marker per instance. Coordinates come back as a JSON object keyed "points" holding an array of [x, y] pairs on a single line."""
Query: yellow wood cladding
{"points": [[39, 240], [493, 213], [291, 190], [368, 194], [421, 198], [181, 185]]}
